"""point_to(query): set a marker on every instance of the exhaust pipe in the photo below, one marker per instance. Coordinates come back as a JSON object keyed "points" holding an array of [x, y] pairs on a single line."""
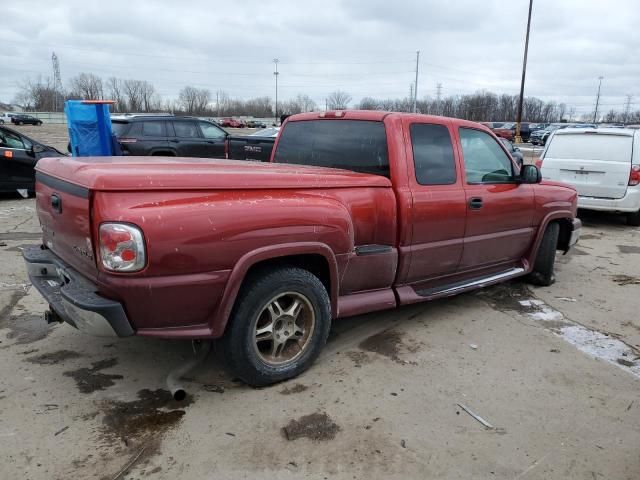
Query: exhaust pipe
{"points": [[201, 349]]}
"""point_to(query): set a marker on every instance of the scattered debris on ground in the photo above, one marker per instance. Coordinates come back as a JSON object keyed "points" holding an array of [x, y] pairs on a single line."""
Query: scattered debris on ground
{"points": [[623, 280], [317, 427], [297, 388]]}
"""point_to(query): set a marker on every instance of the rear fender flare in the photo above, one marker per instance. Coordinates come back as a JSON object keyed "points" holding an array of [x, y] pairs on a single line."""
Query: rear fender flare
{"points": [[270, 252], [557, 215]]}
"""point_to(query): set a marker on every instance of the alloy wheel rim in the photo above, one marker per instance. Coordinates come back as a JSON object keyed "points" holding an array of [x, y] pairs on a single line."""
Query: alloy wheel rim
{"points": [[283, 328]]}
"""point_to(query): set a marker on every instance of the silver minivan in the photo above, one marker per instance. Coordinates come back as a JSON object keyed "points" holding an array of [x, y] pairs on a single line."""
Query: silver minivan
{"points": [[602, 164]]}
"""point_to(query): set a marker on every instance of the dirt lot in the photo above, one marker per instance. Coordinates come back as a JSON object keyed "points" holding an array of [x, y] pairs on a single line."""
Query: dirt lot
{"points": [[553, 370]]}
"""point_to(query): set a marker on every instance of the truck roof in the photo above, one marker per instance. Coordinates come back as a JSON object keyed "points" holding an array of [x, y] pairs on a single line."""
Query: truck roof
{"points": [[378, 116]]}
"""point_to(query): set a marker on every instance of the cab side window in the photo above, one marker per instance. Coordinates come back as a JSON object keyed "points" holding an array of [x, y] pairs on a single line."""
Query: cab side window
{"points": [[433, 154], [484, 159], [186, 130], [209, 130]]}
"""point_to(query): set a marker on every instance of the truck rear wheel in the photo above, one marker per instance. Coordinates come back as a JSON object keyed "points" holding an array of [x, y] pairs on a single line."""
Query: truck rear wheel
{"points": [[278, 326], [542, 273]]}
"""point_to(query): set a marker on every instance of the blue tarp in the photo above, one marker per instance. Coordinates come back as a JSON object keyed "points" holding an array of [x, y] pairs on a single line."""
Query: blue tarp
{"points": [[89, 128]]}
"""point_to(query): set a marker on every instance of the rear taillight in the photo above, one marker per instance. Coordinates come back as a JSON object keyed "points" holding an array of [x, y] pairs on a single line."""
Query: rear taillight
{"points": [[121, 247], [539, 163], [634, 175]]}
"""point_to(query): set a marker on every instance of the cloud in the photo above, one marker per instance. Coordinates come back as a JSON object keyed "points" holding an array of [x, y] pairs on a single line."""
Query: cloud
{"points": [[366, 47]]}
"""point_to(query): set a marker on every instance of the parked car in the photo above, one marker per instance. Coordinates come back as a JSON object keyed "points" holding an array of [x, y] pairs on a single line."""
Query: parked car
{"points": [[267, 132], [513, 151], [255, 124], [231, 122], [169, 136], [18, 157], [256, 147], [539, 137], [351, 216], [493, 125], [6, 117], [508, 131], [602, 164], [20, 119]]}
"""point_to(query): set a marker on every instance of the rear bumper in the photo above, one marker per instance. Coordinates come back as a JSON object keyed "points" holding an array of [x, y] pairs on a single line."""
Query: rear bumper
{"points": [[629, 203], [73, 297]]}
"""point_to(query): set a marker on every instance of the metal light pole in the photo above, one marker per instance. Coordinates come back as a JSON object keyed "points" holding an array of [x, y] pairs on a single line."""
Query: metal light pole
{"points": [[518, 138], [275, 74], [595, 114], [415, 89]]}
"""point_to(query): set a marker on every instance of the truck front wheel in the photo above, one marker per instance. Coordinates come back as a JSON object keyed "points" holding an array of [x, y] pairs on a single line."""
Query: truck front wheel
{"points": [[542, 273], [278, 326]]}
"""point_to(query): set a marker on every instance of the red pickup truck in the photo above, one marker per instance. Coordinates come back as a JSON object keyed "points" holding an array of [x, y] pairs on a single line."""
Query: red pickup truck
{"points": [[358, 211]]}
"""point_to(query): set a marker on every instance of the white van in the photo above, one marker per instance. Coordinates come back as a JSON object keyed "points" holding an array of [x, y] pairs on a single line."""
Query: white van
{"points": [[602, 164]]}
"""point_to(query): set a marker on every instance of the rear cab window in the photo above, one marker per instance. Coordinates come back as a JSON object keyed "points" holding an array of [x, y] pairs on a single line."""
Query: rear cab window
{"points": [[433, 157], [356, 145], [591, 146]]}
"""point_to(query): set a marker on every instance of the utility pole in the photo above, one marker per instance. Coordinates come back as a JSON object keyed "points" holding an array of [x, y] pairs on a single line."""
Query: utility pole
{"points": [[415, 89], [518, 138], [595, 114], [627, 108], [275, 74], [438, 97]]}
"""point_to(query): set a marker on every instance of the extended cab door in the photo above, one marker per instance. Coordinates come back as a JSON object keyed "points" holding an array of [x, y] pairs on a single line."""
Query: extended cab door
{"points": [[187, 140], [499, 209], [439, 202], [214, 139]]}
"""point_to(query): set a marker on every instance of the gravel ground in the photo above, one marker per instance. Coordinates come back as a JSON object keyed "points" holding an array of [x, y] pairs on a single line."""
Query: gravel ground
{"points": [[554, 371]]}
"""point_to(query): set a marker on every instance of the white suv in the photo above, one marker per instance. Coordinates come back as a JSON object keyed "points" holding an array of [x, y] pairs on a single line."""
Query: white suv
{"points": [[5, 117], [602, 164]]}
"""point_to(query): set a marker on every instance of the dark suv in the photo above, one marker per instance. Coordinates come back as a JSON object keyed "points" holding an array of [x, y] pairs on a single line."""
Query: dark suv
{"points": [[169, 136], [25, 120]]}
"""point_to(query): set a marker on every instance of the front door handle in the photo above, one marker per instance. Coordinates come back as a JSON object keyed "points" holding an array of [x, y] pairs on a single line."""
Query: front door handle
{"points": [[475, 203]]}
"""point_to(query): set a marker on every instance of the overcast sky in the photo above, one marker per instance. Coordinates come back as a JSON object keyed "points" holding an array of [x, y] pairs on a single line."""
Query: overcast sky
{"points": [[364, 47]]}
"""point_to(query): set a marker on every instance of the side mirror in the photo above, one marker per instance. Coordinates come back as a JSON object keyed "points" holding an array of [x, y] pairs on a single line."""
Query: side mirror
{"points": [[38, 149], [530, 174]]}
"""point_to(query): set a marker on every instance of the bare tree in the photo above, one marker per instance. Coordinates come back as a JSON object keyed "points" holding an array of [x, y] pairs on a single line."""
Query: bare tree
{"points": [[87, 86], [133, 93], [115, 93], [194, 100], [338, 100], [38, 95]]}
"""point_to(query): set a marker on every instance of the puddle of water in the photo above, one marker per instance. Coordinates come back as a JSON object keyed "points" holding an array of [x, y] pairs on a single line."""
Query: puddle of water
{"points": [[91, 379]]}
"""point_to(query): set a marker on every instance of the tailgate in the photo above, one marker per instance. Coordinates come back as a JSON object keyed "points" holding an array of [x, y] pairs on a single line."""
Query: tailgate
{"points": [[251, 148], [64, 214]]}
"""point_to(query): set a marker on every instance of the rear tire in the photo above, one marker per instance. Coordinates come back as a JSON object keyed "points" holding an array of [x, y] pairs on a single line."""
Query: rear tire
{"points": [[633, 219], [542, 273], [270, 337]]}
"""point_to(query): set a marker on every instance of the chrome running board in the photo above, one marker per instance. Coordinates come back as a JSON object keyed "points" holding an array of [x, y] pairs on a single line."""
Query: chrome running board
{"points": [[467, 284]]}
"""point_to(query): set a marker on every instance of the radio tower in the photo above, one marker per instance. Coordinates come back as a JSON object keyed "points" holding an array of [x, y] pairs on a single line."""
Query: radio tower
{"points": [[57, 81]]}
